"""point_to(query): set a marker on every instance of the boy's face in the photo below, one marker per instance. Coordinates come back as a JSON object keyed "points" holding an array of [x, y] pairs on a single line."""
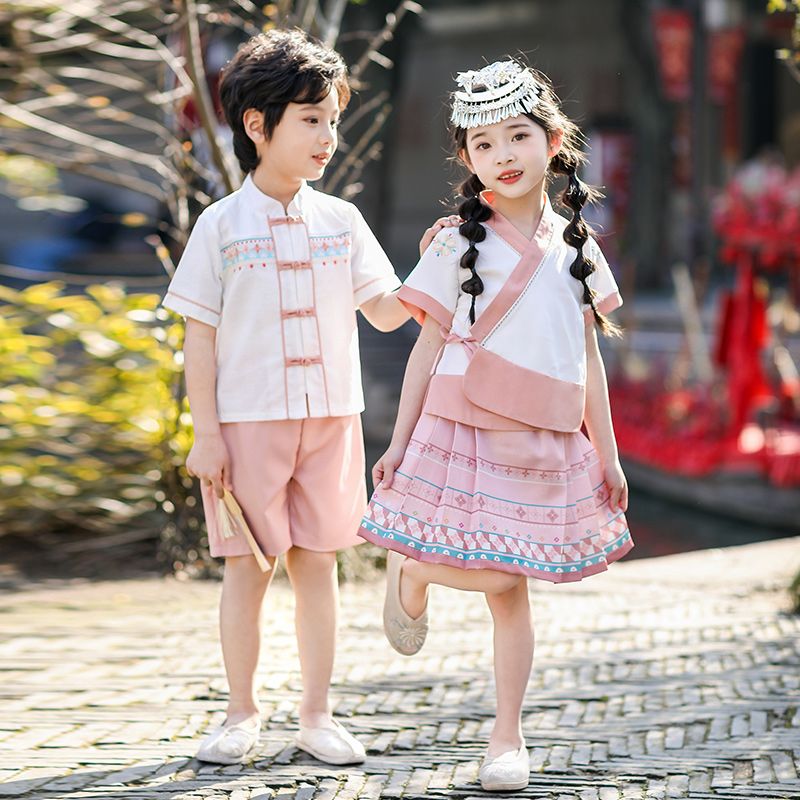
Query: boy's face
{"points": [[303, 141]]}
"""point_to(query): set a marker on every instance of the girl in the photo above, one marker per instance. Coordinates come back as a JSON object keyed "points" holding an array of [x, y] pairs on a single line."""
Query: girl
{"points": [[488, 479]]}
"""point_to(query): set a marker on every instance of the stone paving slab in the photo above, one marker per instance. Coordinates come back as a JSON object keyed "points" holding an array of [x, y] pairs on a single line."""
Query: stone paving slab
{"points": [[675, 677]]}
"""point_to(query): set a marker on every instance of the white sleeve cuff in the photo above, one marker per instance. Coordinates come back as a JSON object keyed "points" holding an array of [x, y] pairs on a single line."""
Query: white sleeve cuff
{"points": [[374, 287], [191, 308]]}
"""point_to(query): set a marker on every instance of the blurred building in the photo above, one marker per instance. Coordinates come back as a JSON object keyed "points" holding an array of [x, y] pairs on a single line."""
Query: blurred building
{"points": [[671, 95]]}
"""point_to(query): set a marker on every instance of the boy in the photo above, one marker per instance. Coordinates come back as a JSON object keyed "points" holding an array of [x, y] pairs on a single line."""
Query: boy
{"points": [[269, 284]]}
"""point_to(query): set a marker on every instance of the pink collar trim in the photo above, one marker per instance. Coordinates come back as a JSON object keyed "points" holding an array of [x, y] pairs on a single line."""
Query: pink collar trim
{"points": [[509, 234], [532, 253]]}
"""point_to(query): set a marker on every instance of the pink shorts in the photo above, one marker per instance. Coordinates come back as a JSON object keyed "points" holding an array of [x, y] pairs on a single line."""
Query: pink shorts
{"points": [[298, 482]]}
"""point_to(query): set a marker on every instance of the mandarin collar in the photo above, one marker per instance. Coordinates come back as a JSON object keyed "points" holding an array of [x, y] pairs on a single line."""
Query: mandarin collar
{"points": [[264, 204]]}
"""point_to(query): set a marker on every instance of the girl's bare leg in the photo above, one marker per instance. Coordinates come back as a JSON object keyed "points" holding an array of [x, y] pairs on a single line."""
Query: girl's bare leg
{"points": [[513, 658], [316, 591], [507, 596], [416, 576], [243, 588]]}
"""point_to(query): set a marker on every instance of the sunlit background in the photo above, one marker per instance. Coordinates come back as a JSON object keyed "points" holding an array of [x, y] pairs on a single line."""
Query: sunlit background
{"points": [[110, 145]]}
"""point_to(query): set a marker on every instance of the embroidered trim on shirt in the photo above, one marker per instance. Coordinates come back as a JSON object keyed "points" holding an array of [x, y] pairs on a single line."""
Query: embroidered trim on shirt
{"points": [[262, 249], [330, 246]]}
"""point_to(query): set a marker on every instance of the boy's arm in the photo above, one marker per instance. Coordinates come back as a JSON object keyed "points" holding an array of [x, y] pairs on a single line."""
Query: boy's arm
{"points": [[385, 312], [597, 417], [208, 459], [415, 383]]}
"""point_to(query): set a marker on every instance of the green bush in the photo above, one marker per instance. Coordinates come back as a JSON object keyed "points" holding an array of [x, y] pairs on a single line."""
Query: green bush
{"points": [[94, 432], [91, 427]]}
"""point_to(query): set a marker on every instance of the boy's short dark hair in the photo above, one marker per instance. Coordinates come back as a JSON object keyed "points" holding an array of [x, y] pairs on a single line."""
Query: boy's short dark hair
{"points": [[270, 71]]}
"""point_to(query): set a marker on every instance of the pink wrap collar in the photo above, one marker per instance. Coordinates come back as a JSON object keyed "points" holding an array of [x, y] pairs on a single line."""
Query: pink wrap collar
{"points": [[532, 252]]}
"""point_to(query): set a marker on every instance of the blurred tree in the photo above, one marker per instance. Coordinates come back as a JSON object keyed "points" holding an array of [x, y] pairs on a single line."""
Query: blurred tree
{"points": [[123, 92]]}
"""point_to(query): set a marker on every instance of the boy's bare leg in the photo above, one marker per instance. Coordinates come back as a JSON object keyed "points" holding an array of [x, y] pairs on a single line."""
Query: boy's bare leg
{"points": [[243, 588], [316, 591]]}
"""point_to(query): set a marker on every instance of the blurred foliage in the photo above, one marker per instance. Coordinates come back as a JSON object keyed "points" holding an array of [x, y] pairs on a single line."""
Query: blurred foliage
{"points": [[124, 93], [21, 175], [92, 438], [90, 424]]}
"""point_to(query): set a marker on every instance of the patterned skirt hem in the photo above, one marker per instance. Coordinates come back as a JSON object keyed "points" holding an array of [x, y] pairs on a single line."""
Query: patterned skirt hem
{"points": [[554, 573]]}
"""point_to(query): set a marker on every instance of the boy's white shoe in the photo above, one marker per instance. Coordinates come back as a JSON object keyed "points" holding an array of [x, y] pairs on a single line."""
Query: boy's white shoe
{"points": [[231, 744], [505, 772], [330, 743]]}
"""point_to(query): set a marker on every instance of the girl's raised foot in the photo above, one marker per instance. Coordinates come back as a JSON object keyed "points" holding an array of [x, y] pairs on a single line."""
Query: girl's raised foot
{"points": [[405, 634]]}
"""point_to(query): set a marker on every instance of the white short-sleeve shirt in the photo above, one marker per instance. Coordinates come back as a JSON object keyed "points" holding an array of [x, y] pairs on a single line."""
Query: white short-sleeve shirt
{"points": [[282, 289], [524, 359]]}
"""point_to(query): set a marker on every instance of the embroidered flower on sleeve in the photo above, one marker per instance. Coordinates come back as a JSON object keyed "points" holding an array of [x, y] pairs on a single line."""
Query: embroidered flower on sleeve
{"points": [[445, 246]]}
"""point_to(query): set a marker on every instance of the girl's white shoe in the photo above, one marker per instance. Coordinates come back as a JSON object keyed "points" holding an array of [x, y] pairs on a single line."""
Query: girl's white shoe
{"points": [[405, 634], [231, 744], [331, 744], [506, 772]]}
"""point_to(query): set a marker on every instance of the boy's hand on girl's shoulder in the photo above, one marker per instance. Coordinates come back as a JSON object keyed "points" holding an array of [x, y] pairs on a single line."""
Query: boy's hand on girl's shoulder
{"points": [[617, 486], [208, 460], [452, 221]]}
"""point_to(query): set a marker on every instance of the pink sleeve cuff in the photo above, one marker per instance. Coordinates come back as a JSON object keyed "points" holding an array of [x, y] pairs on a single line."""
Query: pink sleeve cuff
{"points": [[608, 304], [420, 305]]}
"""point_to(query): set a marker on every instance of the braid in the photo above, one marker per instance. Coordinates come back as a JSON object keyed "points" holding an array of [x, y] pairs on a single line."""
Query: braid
{"points": [[473, 212], [575, 196]]}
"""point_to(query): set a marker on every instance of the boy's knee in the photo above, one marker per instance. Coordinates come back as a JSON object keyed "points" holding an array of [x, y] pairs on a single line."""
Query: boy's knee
{"points": [[300, 561], [246, 568]]}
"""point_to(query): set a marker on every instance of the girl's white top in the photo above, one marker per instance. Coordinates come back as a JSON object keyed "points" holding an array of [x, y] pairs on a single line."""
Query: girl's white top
{"points": [[524, 359], [282, 289]]}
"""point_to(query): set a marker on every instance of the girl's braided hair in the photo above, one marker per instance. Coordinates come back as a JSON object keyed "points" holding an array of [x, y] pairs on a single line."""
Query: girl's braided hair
{"points": [[549, 115]]}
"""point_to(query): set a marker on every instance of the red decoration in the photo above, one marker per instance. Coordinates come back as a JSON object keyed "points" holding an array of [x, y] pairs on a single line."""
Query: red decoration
{"points": [[673, 29], [724, 58], [702, 429], [743, 335], [758, 215]]}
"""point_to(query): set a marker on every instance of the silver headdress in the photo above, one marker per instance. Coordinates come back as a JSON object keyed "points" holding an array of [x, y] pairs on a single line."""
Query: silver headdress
{"points": [[507, 89]]}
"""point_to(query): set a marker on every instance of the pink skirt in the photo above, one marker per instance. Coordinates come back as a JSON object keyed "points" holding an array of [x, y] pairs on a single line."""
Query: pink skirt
{"points": [[531, 502]]}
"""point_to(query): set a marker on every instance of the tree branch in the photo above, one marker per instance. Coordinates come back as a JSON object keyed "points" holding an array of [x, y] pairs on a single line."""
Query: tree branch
{"points": [[205, 107]]}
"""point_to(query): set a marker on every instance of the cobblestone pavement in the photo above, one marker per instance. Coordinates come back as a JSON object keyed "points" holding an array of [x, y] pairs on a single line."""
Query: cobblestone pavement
{"points": [[663, 678]]}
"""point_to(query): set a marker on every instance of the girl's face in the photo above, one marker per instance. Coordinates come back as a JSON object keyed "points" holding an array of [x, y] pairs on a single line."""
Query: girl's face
{"points": [[303, 141], [510, 157]]}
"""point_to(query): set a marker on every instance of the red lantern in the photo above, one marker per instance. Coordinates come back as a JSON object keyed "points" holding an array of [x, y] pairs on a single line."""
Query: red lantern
{"points": [[673, 29]]}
